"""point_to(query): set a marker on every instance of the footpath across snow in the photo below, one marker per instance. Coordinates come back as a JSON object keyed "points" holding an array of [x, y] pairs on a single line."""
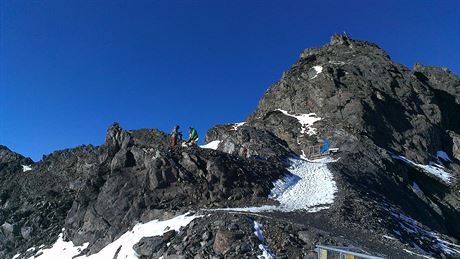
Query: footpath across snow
{"points": [[310, 187]]}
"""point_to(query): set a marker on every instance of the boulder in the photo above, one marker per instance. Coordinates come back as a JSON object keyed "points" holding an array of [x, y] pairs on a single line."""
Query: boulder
{"points": [[224, 240], [148, 246]]}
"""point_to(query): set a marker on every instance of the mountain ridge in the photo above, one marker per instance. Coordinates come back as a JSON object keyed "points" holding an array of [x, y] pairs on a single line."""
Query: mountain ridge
{"points": [[397, 170]]}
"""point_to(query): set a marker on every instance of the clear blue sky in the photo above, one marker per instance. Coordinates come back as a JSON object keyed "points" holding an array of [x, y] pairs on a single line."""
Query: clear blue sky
{"points": [[70, 68]]}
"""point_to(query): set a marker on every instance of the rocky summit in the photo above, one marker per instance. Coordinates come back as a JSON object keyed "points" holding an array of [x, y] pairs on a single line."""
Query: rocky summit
{"points": [[348, 150]]}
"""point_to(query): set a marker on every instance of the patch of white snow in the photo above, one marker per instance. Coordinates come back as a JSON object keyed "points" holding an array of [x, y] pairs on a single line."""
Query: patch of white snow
{"points": [[26, 168], [315, 187], [413, 253], [310, 187], [318, 70], [63, 249], [442, 155], [336, 62], [388, 237], [431, 168], [306, 120], [212, 145], [266, 251], [237, 125], [60, 249]]}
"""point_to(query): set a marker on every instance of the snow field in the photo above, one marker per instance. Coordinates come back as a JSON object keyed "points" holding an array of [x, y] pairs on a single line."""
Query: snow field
{"points": [[315, 186], [310, 187], [62, 249]]}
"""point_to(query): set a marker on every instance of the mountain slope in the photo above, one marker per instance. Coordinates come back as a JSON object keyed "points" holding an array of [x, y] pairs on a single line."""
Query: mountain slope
{"points": [[391, 189]]}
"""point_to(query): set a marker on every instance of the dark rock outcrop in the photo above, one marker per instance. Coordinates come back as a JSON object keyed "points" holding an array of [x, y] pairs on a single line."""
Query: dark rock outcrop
{"points": [[373, 110], [98, 193]]}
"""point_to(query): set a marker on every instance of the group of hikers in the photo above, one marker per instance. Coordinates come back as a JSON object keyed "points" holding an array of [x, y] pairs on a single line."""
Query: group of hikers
{"points": [[176, 136]]}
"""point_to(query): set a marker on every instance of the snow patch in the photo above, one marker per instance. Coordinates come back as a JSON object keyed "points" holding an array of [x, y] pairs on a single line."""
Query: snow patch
{"points": [[237, 125], [413, 253], [306, 120], [63, 249], [310, 187], [417, 190], [266, 251], [318, 70], [26, 168], [442, 155], [388, 237], [212, 145], [60, 249], [336, 62], [432, 168]]}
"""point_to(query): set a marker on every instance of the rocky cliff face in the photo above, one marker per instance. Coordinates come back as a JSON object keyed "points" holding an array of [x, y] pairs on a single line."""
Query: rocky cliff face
{"points": [[97, 193], [375, 111], [396, 171]]}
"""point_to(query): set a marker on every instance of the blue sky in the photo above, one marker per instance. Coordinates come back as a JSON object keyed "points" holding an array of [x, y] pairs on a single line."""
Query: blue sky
{"points": [[68, 69]]}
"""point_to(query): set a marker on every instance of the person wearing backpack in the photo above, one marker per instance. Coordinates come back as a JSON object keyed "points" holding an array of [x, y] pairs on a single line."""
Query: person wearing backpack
{"points": [[175, 136], [193, 137]]}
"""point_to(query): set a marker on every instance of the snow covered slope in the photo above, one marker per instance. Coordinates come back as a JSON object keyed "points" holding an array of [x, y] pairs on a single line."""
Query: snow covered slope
{"points": [[311, 188], [123, 246]]}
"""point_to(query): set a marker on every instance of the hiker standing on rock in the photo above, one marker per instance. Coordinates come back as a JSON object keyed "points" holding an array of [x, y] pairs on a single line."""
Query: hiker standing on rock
{"points": [[175, 136], [193, 137]]}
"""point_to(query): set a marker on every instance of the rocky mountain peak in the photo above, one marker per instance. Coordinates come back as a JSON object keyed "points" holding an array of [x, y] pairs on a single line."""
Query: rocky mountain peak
{"points": [[348, 148], [12, 160]]}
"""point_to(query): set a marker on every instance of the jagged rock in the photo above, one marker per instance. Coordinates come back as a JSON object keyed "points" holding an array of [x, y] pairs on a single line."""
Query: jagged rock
{"points": [[249, 142], [148, 245], [8, 229]]}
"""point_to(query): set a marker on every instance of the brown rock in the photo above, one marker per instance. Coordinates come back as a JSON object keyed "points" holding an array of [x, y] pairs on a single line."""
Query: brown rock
{"points": [[168, 235], [224, 240]]}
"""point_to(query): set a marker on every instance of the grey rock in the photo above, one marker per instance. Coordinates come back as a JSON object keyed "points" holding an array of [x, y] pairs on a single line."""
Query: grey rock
{"points": [[26, 232], [147, 246]]}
